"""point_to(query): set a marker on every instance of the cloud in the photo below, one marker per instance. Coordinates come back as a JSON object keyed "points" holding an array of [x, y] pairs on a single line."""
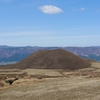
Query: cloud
{"points": [[26, 33], [82, 9], [50, 9]]}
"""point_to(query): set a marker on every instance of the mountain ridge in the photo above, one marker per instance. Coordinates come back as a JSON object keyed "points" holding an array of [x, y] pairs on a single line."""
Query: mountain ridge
{"points": [[15, 54], [52, 59]]}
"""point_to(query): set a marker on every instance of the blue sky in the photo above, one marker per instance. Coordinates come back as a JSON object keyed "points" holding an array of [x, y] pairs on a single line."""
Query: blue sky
{"points": [[50, 22]]}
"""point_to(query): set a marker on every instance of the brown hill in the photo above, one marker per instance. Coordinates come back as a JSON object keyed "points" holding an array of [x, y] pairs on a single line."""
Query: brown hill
{"points": [[52, 59]]}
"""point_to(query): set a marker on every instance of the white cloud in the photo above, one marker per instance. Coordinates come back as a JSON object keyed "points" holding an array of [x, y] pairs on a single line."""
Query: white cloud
{"points": [[82, 9], [50, 9]]}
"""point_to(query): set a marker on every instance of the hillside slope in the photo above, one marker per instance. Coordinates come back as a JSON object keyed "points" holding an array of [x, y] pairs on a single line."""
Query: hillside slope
{"points": [[52, 59]]}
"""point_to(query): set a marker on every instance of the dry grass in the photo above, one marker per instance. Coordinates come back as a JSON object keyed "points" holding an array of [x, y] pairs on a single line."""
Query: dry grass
{"points": [[10, 71], [75, 88], [42, 72], [82, 84]]}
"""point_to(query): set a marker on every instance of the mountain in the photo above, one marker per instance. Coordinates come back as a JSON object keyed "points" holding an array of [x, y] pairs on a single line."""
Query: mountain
{"points": [[52, 59], [92, 52], [16, 54], [84, 50]]}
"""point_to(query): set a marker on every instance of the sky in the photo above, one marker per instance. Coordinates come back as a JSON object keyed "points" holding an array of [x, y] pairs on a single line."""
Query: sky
{"points": [[50, 23]]}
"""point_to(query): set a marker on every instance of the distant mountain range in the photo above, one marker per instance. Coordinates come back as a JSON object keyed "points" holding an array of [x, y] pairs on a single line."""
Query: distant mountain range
{"points": [[51, 59], [15, 54]]}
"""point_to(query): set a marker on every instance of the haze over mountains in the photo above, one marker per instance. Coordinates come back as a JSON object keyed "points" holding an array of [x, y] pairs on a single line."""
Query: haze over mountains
{"points": [[15, 54]]}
